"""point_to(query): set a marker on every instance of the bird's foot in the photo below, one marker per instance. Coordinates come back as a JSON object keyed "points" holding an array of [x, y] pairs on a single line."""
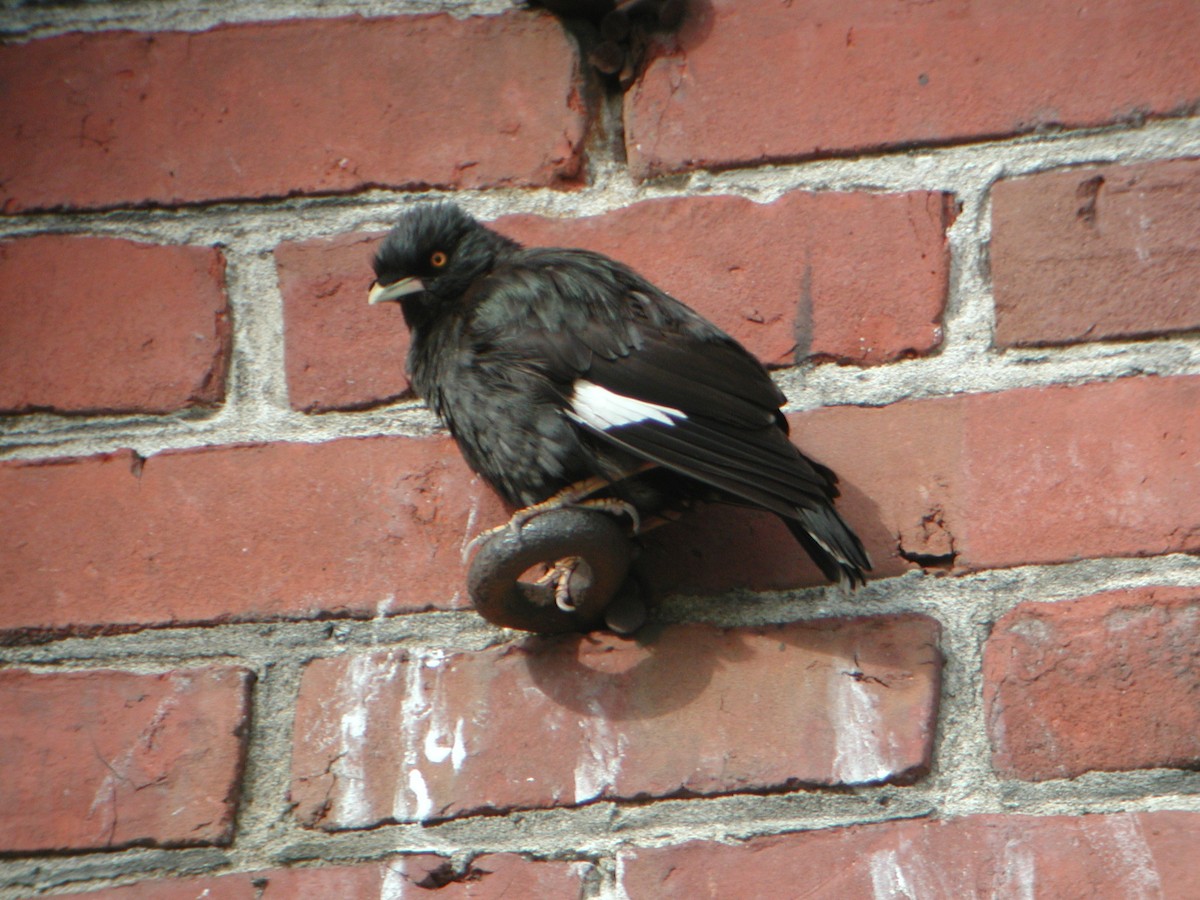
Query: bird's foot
{"points": [[559, 574], [575, 495], [482, 537]]}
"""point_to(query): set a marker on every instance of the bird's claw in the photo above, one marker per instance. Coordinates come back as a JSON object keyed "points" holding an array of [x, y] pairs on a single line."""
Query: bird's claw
{"points": [[616, 507], [484, 535], [518, 519], [582, 590], [559, 575]]}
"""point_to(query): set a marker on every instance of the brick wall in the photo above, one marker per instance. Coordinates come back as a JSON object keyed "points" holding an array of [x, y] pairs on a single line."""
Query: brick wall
{"points": [[238, 661]]}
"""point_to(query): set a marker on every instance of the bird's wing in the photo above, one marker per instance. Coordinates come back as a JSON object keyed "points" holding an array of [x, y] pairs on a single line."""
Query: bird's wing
{"points": [[669, 404], [642, 372]]}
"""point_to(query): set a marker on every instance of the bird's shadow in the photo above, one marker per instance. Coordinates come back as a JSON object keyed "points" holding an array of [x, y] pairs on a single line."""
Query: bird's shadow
{"points": [[718, 548], [715, 549], [693, 31], [670, 667], [663, 670]]}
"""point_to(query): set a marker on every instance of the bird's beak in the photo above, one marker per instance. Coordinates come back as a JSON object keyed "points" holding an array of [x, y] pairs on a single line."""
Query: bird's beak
{"points": [[381, 293]]}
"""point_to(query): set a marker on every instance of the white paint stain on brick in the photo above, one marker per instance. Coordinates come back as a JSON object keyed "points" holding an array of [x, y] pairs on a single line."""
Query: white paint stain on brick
{"points": [[393, 882], [405, 804], [617, 889], [436, 751], [422, 802], [384, 606], [365, 675], [1016, 876], [599, 761], [1120, 844], [427, 735], [442, 742], [888, 880], [905, 874], [1139, 240], [349, 768], [858, 754]]}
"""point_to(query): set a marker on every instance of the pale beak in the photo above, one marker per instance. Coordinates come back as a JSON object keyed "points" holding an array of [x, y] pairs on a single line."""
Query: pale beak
{"points": [[380, 293]]}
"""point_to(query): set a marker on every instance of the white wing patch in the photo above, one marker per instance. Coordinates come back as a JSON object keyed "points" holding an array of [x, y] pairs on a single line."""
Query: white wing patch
{"points": [[601, 408]]}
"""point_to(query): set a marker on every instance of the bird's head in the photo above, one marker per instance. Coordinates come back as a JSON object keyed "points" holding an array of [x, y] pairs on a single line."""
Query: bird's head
{"points": [[428, 260]]}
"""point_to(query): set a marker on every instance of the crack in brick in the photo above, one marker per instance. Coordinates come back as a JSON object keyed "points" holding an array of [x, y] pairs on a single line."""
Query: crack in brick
{"points": [[110, 782], [322, 811], [862, 677]]}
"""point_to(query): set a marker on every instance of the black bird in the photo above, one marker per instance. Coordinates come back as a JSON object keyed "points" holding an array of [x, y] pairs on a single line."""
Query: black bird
{"points": [[567, 378]]}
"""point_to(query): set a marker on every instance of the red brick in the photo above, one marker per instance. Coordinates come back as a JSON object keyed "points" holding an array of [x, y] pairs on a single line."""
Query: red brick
{"points": [[102, 759], [1097, 252], [856, 277], [1056, 474], [350, 527], [303, 106], [488, 877], [1036, 475], [693, 710], [1108, 682], [340, 353], [754, 80], [105, 325], [1094, 856]]}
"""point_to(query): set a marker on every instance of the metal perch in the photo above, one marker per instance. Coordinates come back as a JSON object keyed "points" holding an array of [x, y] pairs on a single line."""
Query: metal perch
{"points": [[601, 590]]}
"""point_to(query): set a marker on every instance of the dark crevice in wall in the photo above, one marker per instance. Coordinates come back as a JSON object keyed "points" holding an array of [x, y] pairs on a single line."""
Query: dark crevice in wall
{"points": [[613, 37]]}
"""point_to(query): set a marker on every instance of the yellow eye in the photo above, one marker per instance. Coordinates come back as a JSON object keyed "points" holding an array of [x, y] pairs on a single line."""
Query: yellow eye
{"points": [[438, 259]]}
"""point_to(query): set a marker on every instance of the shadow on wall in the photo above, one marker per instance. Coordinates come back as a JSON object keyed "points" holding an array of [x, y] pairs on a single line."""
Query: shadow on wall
{"points": [[669, 676], [675, 665], [717, 548]]}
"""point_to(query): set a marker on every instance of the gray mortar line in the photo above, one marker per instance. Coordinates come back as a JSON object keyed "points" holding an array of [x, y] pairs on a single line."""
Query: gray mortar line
{"points": [[261, 644], [960, 169], [93, 871], [45, 436], [981, 597], [262, 815], [257, 388], [588, 831], [28, 21], [604, 827], [607, 829]]}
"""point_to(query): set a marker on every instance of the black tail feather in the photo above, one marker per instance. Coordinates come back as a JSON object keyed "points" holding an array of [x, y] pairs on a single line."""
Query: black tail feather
{"points": [[836, 550]]}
